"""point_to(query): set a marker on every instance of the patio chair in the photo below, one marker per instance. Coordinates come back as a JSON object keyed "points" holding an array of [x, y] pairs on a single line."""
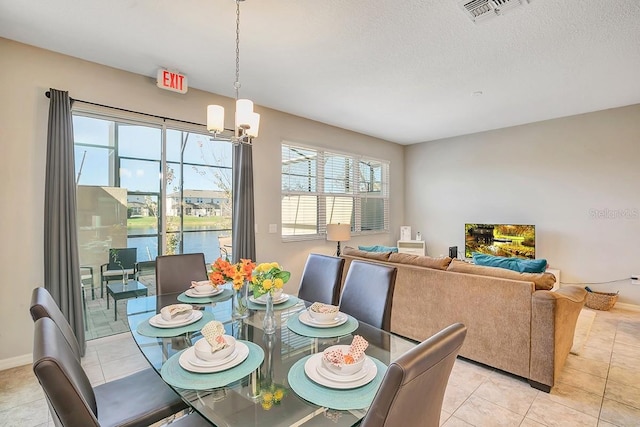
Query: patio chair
{"points": [[226, 244], [121, 261]]}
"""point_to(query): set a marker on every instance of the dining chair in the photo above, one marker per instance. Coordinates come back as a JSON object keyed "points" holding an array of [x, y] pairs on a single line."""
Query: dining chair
{"points": [[121, 261], [174, 273], [321, 279], [368, 293], [137, 400], [43, 305], [412, 389]]}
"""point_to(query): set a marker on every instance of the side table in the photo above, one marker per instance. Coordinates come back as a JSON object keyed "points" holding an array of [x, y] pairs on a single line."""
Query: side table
{"points": [[119, 291]]}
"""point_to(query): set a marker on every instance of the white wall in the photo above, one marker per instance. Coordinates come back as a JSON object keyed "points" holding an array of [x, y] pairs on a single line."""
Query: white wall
{"points": [[576, 178], [25, 75]]}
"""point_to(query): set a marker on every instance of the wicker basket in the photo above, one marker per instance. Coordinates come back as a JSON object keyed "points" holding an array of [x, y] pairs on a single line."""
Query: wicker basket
{"points": [[601, 300]]}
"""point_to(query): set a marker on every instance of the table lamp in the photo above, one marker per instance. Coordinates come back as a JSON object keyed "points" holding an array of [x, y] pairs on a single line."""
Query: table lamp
{"points": [[338, 233]]}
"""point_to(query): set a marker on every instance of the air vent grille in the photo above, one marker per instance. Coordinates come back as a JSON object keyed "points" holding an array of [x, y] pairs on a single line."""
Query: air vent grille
{"points": [[480, 10]]}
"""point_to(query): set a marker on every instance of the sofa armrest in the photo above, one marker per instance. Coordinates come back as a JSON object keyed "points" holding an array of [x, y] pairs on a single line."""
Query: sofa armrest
{"points": [[553, 323]]}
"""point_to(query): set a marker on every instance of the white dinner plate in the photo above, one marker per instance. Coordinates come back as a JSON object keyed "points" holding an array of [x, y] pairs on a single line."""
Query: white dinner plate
{"points": [[322, 370], [193, 294], [159, 322], [305, 317], [188, 357], [280, 300], [315, 361], [195, 361]]}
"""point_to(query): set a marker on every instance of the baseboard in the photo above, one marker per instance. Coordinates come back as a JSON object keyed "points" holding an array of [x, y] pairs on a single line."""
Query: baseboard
{"points": [[627, 306], [13, 362]]}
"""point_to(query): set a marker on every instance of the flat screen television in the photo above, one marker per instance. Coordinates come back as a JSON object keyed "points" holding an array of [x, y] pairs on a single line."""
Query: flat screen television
{"points": [[508, 240]]}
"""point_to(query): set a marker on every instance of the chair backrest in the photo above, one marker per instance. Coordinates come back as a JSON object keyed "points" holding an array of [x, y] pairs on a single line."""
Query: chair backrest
{"points": [[65, 384], [125, 256], [321, 279], [368, 293], [174, 273], [225, 243], [43, 305], [412, 390]]}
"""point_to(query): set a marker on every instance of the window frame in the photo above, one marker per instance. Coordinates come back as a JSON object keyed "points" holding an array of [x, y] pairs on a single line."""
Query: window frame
{"points": [[321, 194]]}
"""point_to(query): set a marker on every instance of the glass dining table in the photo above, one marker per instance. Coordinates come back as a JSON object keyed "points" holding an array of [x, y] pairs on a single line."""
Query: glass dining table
{"points": [[278, 383]]}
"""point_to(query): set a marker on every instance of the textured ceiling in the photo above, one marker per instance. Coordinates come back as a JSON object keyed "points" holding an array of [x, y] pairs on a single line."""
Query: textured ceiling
{"points": [[401, 70]]}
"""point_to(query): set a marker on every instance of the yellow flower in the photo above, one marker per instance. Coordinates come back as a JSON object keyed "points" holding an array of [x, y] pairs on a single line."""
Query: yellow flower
{"points": [[274, 265], [278, 395], [267, 397], [267, 405], [278, 283], [267, 284]]}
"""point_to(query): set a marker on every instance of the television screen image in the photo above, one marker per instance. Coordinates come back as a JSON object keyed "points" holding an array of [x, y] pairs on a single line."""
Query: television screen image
{"points": [[508, 240]]}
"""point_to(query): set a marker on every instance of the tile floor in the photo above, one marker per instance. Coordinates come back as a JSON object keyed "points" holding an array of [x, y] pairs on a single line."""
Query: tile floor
{"points": [[600, 387]]}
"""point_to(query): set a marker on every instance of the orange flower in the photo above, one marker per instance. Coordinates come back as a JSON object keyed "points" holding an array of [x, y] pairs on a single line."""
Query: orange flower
{"points": [[223, 271]]}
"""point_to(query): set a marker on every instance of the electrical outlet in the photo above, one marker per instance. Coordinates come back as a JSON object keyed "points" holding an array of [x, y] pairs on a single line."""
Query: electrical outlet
{"points": [[635, 279]]}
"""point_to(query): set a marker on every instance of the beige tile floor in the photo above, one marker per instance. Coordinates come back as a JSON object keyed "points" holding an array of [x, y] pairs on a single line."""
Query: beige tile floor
{"points": [[600, 387]]}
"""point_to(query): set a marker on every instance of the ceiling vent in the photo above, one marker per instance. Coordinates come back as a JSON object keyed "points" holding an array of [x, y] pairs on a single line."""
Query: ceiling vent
{"points": [[481, 10]]}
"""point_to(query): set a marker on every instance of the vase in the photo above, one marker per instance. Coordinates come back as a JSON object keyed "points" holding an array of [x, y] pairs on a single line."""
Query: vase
{"points": [[125, 278], [239, 305], [269, 322]]}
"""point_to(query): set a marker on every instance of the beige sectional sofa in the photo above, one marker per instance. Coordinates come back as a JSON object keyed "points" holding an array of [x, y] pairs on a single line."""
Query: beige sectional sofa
{"points": [[511, 325]]}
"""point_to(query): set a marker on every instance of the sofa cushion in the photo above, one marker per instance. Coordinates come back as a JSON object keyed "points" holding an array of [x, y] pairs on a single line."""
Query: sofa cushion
{"points": [[511, 263], [543, 281], [422, 261], [378, 248], [380, 256]]}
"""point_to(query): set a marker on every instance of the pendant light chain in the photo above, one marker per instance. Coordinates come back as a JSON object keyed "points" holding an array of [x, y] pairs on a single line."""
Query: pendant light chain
{"points": [[236, 85]]}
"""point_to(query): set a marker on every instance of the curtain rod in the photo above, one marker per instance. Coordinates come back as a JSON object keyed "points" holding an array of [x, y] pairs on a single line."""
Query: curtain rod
{"points": [[48, 95]]}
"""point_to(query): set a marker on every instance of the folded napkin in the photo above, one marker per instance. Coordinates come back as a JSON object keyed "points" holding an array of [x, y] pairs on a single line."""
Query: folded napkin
{"points": [[175, 310], [319, 307], [213, 332], [356, 351], [195, 283]]}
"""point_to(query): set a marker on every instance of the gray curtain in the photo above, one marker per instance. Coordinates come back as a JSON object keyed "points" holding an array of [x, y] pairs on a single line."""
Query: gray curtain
{"points": [[243, 224], [61, 263]]}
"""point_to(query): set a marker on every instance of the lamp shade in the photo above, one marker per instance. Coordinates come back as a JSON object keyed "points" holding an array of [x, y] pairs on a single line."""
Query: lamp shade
{"points": [[338, 232], [215, 118]]}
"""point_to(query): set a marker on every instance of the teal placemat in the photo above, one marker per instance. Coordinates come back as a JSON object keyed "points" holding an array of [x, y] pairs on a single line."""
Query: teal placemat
{"points": [[355, 398], [287, 304], [223, 296], [300, 328], [173, 374], [144, 328]]}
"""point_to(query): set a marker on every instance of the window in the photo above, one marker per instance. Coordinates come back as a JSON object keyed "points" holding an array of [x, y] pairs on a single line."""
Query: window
{"points": [[324, 187]]}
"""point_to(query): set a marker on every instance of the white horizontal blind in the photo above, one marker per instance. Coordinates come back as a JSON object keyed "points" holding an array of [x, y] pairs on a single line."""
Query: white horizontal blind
{"points": [[321, 187]]}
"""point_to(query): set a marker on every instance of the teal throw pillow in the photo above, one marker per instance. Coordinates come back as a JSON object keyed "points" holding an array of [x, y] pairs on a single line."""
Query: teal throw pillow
{"points": [[378, 248], [516, 264]]}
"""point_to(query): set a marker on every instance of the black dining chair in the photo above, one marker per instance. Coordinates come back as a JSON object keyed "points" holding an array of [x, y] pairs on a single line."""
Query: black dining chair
{"points": [[137, 400], [412, 390], [368, 293], [321, 279], [174, 273]]}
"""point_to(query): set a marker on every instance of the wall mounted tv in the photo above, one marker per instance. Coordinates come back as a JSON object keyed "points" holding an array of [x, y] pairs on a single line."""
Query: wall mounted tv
{"points": [[508, 240]]}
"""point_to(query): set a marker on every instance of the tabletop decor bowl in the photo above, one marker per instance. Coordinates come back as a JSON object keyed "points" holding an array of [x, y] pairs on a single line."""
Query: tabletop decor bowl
{"points": [[343, 368], [323, 316], [203, 349], [185, 311]]}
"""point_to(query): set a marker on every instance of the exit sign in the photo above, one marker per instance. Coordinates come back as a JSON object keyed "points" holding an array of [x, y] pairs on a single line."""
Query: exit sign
{"points": [[173, 81]]}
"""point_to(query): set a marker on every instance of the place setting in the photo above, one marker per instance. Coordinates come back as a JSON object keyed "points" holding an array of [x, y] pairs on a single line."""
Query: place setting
{"points": [[322, 321], [174, 320], [213, 361], [203, 292], [341, 377]]}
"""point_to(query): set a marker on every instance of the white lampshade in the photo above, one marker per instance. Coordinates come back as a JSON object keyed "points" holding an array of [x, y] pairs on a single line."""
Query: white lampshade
{"points": [[215, 118], [244, 110], [254, 125], [338, 232]]}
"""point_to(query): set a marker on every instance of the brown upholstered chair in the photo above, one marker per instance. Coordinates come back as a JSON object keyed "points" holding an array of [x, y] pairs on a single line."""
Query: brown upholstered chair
{"points": [[137, 400], [412, 390], [368, 293], [174, 273], [321, 279]]}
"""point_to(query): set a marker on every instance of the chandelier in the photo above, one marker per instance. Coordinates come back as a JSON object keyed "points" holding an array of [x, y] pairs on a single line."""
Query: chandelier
{"points": [[247, 122]]}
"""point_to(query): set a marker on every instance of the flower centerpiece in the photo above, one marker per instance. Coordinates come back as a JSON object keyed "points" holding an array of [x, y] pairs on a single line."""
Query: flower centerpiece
{"points": [[268, 278], [223, 271]]}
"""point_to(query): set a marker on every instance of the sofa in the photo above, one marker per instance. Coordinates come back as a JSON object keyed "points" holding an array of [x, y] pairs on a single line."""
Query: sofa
{"points": [[514, 323]]}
